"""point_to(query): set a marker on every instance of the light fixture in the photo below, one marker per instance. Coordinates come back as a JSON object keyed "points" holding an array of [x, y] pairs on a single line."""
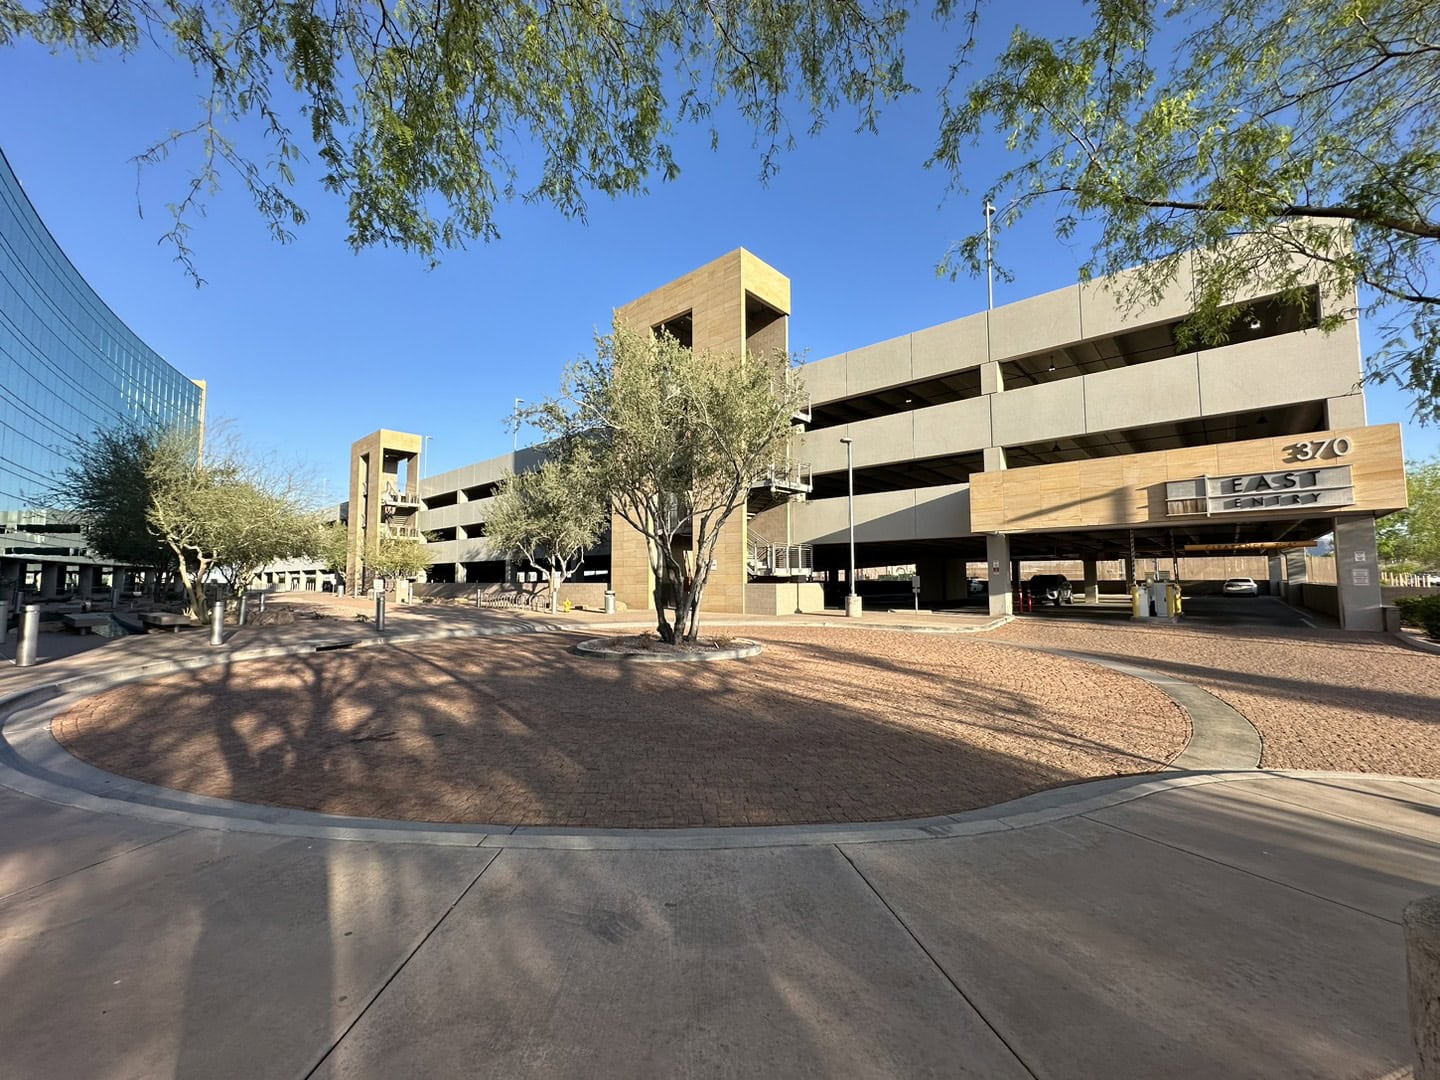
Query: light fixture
{"points": [[1052, 363], [1253, 322], [1055, 449], [1262, 419]]}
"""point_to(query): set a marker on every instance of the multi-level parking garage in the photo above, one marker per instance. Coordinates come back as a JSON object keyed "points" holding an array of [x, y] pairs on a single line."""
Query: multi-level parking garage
{"points": [[1061, 427], [1066, 427]]}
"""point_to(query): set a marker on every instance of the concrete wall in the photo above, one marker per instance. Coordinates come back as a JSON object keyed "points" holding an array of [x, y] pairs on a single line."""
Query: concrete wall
{"points": [[1323, 598], [782, 598], [917, 514], [1233, 378]]}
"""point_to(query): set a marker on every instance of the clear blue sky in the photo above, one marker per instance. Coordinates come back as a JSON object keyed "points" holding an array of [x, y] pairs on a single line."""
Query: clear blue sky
{"points": [[307, 347]]}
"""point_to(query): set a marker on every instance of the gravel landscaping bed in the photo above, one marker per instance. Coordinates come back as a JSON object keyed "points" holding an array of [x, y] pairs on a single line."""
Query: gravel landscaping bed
{"points": [[1320, 699], [826, 725]]}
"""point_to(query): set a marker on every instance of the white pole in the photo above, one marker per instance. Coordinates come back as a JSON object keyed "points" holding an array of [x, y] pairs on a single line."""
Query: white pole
{"points": [[850, 505], [515, 441], [989, 260]]}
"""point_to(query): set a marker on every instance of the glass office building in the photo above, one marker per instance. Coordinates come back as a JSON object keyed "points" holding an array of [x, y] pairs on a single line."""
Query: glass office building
{"points": [[68, 367]]}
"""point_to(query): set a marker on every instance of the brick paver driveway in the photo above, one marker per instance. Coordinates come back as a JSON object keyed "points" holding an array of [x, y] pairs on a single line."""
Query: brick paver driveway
{"points": [[828, 725]]}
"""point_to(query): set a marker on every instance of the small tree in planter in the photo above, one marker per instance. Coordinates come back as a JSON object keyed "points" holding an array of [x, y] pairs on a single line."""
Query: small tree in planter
{"points": [[395, 557], [550, 515], [678, 441]]}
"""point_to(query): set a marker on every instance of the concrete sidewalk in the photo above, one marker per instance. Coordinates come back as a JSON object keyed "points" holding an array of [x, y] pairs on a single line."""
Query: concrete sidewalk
{"points": [[1228, 925], [1244, 928]]}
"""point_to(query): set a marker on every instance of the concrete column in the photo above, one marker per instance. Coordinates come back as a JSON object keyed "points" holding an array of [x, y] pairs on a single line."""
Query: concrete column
{"points": [[957, 580], [1129, 573], [1091, 571], [1345, 412], [1357, 572], [932, 580], [1295, 575], [991, 381], [1277, 583], [994, 458], [49, 580], [997, 572], [87, 581], [460, 573]]}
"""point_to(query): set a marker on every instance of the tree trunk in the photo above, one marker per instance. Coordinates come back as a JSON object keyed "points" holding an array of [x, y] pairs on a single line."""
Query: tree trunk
{"points": [[692, 629], [663, 626], [198, 609]]}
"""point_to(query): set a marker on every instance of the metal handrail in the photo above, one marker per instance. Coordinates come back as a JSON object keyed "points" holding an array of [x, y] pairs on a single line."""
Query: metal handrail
{"points": [[402, 498]]}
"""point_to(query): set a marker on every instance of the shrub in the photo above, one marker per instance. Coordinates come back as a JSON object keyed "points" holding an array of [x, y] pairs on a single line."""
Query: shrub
{"points": [[1421, 611]]}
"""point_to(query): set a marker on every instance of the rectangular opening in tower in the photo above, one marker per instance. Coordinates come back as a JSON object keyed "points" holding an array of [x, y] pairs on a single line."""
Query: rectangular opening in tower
{"points": [[681, 327], [766, 328]]}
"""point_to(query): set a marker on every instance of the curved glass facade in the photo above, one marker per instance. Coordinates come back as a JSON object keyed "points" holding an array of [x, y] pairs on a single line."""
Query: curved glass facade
{"points": [[68, 365]]}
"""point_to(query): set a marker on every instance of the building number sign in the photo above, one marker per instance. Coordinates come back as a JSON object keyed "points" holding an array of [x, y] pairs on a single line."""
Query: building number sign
{"points": [[1315, 449]]}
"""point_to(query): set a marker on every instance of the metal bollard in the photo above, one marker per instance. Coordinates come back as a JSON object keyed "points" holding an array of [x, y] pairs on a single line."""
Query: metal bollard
{"points": [[217, 623], [29, 637], [262, 603], [244, 602], [379, 612], [114, 599], [4, 620]]}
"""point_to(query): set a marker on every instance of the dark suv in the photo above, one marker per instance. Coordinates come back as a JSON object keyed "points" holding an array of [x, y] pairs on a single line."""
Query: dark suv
{"points": [[1051, 589]]}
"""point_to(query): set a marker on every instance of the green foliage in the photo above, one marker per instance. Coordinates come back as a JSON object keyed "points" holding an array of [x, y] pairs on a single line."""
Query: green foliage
{"points": [[425, 117], [224, 512], [1421, 611], [107, 488], [1308, 130], [1412, 537], [333, 547], [550, 515], [396, 557], [678, 440]]}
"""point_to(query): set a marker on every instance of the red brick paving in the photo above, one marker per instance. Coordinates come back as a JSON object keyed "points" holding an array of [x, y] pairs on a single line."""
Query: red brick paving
{"points": [[827, 725]]}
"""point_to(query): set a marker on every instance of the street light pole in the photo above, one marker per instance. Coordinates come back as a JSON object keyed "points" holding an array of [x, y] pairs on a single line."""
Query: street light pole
{"points": [[852, 600], [989, 258], [515, 441]]}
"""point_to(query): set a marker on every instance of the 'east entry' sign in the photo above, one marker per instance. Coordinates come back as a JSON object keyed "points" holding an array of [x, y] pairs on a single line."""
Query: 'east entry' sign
{"points": [[1284, 490]]}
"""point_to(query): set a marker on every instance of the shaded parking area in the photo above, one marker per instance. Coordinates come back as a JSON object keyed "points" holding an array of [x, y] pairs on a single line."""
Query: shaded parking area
{"points": [[1266, 612]]}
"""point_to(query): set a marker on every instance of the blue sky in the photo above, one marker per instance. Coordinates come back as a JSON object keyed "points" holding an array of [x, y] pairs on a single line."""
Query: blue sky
{"points": [[307, 346]]}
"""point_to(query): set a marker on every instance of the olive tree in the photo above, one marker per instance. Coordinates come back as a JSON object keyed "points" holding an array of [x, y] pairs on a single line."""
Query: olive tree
{"points": [[549, 515], [678, 440]]}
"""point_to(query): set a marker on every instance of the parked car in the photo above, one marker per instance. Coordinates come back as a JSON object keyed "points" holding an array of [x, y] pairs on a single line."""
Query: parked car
{"points": [[1240, 586], [1051, 589], [977, 586]]}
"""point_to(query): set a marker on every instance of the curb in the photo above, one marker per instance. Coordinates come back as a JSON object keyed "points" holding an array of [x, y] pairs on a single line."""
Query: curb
{"points": [[1223, 746]]}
